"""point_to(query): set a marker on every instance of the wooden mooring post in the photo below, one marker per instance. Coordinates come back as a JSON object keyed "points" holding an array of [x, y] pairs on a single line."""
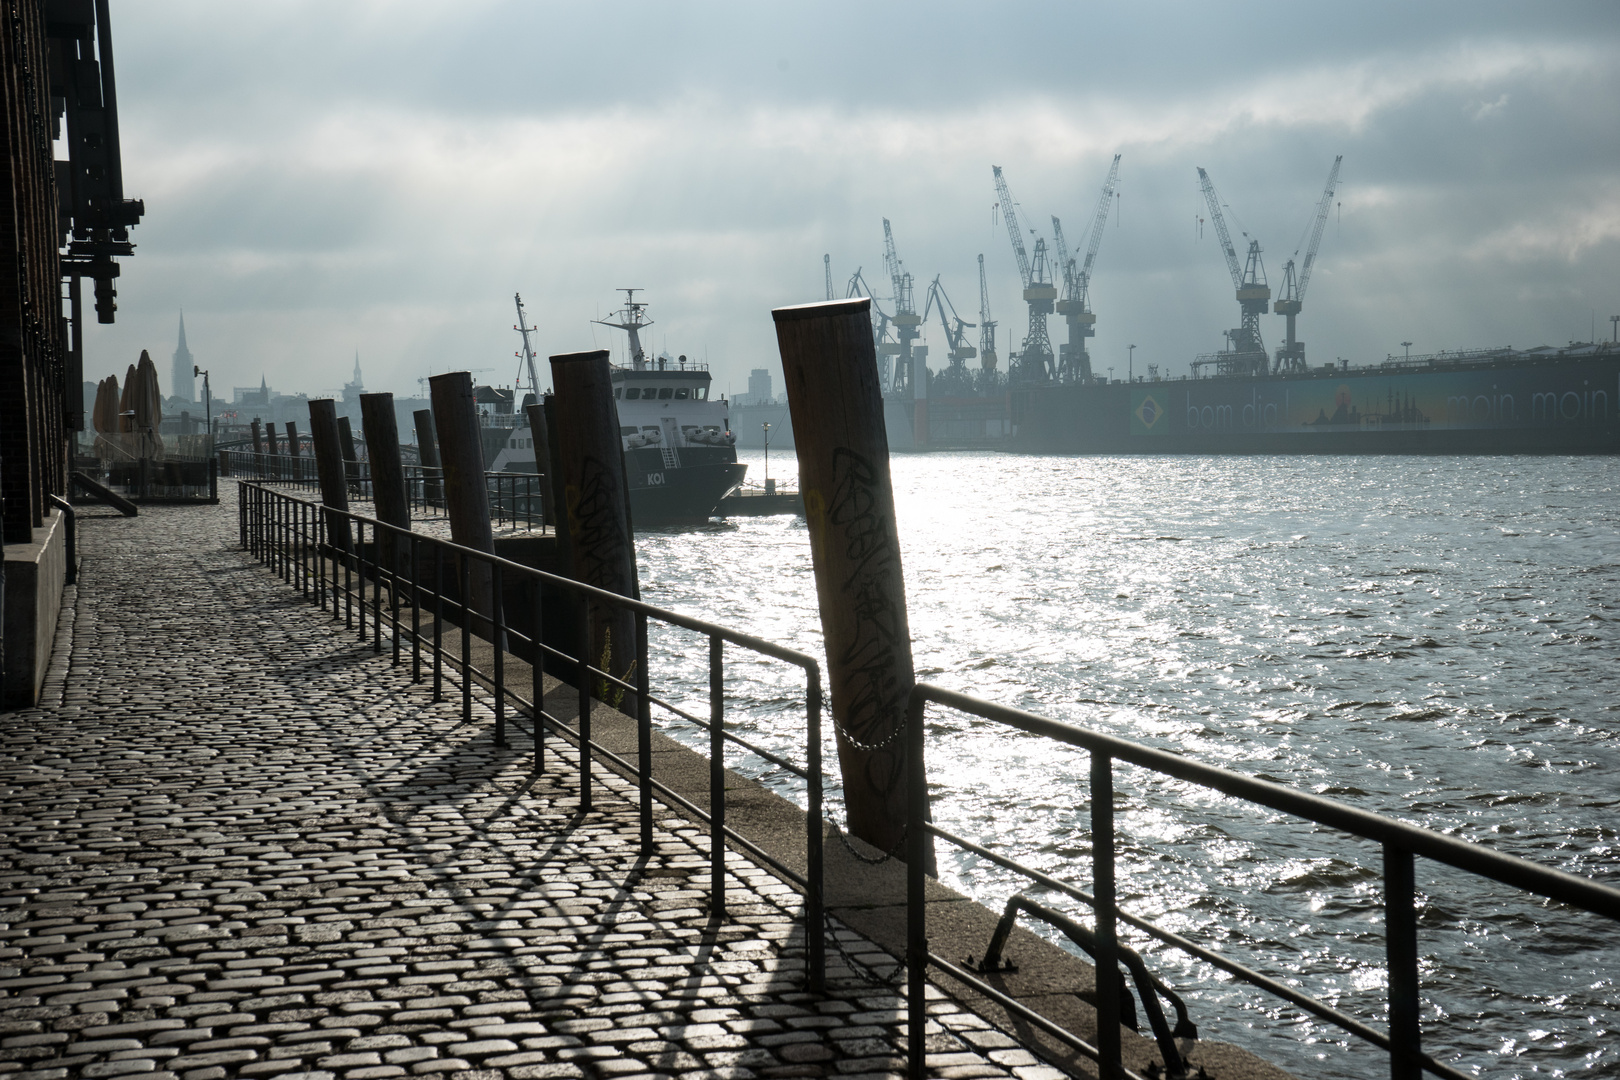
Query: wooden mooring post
{"points": [[427, 449], [542, 460], [295, 464], [836, 402], [351, 464], [381, 429], [272, 466], [466, 497], [323, 432], [596, 498]]}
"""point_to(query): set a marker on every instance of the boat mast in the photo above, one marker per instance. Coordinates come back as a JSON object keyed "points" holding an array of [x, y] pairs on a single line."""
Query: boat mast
{"points": [[524, 328], [631, 321]]}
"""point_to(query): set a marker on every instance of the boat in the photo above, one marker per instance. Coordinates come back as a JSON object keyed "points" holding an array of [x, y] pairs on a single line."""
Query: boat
{"points": [[1549, 400], [680, 456]]}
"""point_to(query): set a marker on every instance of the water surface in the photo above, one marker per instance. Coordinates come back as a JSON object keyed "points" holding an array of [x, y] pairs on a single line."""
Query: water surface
{"points": [[1433, 638]]}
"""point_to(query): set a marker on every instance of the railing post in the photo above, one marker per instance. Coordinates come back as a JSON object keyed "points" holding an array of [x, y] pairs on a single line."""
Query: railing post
{"points": [[537, 671], [1400, 943], [376, 584], [717, 778], [917, 848], [815, 931], [466, 639], [584, 691], [416, 610], [644, 734], [499, 614], [1102, 863], [438, 622]]}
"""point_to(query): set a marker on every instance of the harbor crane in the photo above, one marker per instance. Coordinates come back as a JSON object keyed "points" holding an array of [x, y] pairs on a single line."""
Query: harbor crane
{"points": [[956, 380], [955, 334], [1247, 352], [987, 325], [1035, 362], [1291, 354], [882, 344], [1074, 359], [905, 319]]}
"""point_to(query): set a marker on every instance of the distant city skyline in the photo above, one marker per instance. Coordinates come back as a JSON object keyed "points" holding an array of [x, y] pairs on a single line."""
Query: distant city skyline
{"points": [[389, 181]]}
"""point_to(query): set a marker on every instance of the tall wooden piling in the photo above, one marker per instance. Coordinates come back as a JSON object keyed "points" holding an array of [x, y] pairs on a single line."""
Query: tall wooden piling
{"points": [[542, 459], [596, 499], [427, 449], [836, 403], [258, 438], [351, 464], [381, 429], [295, 466], [323, 432], [271, 469], [466, 498]]}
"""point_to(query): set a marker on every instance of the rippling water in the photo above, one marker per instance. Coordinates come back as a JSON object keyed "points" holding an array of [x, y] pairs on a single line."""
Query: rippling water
{"points": [[1434, 638]]}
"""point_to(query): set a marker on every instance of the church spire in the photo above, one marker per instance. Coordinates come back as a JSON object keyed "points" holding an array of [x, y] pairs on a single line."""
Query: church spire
{"points": [[358, 381], [184, 382]]}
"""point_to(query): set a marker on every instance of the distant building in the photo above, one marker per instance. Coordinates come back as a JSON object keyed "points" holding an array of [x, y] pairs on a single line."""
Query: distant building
{"points": [[185, 383], [353, 389], [759, 386], [248, 396]]}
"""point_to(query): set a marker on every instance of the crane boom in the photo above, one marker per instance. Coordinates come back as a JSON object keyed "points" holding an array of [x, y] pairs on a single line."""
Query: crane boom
{"points": [[987, 325], [1099, 219], [1013, 231], [904, 303], [1215, 215], [1321, 222], [1065, 264]]}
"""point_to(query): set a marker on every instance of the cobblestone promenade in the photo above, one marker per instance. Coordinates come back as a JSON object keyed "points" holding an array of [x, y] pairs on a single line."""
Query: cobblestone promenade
{"points": [[235, 844]]}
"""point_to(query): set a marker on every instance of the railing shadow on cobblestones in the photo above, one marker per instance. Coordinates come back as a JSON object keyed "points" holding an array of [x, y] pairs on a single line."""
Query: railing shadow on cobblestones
{"points": [[331, 558]]}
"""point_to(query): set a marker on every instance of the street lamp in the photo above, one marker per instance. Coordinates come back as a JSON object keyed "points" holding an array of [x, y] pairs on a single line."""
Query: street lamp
{"points": [[770, 488], [208, 397], [1408, 345], [1130, 361]]}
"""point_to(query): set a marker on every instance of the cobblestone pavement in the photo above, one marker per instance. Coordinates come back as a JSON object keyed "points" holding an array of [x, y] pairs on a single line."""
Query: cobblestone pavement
{"points": [[235, 844]]}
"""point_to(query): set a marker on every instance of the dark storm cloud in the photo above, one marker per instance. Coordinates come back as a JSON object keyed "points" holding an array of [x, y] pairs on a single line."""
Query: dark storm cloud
{"points": [[384, 176]]}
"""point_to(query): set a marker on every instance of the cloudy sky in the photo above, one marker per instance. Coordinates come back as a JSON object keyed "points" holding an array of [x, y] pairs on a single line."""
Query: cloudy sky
{"points": [[322, 178]]}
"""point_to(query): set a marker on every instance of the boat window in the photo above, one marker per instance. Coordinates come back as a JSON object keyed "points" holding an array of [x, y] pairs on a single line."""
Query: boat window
{"points": [[617, 393], [665, 393], [627, 430], [701, 393], [631, 393], [681, 394]]}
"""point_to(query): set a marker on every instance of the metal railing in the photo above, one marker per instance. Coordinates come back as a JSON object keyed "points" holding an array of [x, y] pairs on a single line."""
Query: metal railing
{"points": [[1401, 842], [323, 553], [514, 498]]}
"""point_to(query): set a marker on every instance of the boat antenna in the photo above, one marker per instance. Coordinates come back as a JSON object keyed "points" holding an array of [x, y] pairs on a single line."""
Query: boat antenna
{"points": [[527, 354]]}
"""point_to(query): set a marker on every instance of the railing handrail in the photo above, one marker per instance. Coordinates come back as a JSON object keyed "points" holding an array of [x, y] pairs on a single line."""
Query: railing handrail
{"points": [[1511, 870], [1401, 842], [676, 618]]}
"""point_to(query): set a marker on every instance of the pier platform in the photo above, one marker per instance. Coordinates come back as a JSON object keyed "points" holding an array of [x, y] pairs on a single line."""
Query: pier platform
{"points": [[230, 849]]}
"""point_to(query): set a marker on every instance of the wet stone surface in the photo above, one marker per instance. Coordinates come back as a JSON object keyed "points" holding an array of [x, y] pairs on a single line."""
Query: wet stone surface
{"points": [[235, 843]]}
